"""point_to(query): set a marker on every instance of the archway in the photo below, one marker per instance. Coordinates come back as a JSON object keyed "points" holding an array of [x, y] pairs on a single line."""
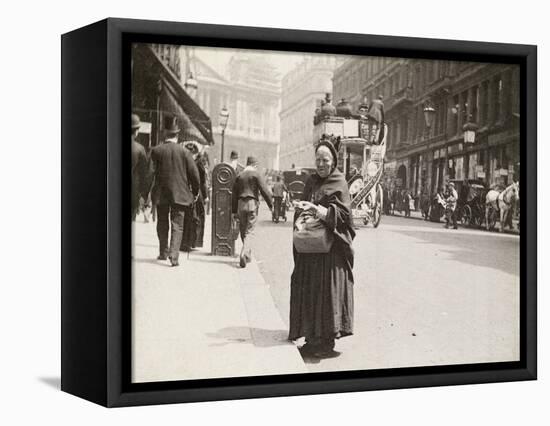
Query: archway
{"points": [[402, 175]]}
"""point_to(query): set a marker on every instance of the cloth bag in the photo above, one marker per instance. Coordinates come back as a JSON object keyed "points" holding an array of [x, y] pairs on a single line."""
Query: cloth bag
{"points": [[310, 235]]}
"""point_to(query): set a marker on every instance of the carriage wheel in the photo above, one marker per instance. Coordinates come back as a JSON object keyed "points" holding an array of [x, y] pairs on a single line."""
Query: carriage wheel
{"points": [[466, 216], [377, 211]]}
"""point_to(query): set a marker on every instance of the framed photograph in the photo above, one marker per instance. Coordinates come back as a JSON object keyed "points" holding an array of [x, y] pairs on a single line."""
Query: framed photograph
{"points": [[277, 212]]}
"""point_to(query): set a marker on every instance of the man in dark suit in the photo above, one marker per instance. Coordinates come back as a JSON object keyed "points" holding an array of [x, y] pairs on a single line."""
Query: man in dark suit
{"points": [[175, 188], [139, 168], [246, 200], [234, 161], [376, 115]]}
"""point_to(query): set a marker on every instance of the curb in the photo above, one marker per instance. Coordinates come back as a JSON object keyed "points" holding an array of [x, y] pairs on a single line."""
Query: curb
{"points": [[266, 325]]}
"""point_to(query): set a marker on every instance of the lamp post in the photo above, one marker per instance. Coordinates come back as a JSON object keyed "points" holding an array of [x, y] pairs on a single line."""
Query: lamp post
{"points": [[429, 115], [224, 118]]}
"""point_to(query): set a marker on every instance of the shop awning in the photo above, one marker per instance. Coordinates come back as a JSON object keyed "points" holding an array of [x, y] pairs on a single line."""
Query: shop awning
{"points": [[172, 97]]}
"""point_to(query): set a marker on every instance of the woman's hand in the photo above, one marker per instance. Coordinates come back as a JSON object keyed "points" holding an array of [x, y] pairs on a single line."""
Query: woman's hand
{"points": [[307, 206]]}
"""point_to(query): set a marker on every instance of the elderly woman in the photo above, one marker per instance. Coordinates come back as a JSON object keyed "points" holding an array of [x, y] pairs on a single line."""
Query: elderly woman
{"points": [[321, 296]]}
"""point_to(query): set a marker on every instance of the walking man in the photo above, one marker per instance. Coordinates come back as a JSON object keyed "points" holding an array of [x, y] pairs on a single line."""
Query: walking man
{"points": [[176, 186], [246, 200], [139, 168], [234, 161], [376, 115], [278, 195], [451, 199]]}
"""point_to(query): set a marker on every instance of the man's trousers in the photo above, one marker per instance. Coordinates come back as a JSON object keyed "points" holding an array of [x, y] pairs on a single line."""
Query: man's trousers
{"points": [[170, 217]]}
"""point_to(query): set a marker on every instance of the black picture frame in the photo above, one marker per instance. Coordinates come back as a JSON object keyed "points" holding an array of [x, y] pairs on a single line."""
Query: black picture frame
{"points": [[95, 177]]}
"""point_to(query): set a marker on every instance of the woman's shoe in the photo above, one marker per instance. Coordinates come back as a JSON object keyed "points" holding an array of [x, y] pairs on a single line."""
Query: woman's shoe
{"points": [[327, 353], [308, 349]]}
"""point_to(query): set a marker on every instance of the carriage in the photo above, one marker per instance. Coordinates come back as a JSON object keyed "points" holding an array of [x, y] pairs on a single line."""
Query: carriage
{"points": [[367, 194], [471, 202], [361, 151], [295, 181]]}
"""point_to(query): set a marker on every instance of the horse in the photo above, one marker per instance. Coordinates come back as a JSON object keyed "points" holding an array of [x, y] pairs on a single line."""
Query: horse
{"points": [[501, 202]]}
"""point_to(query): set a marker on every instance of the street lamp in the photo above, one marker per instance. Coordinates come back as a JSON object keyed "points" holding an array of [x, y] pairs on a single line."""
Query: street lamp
{"points": [[191, 85], [224, 118], [469, 132], [429, 114]]}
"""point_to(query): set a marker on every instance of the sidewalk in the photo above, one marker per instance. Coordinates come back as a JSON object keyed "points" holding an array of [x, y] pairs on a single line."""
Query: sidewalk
{"points": [[207, 318]]}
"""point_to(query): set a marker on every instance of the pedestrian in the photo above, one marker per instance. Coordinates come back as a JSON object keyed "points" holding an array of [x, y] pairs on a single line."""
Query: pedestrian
{"points": [[278, 195], [407, 203], [376, 117], [176, 186], [245, 202], [193, 229], [394, 200], [139, 169], [321, 285], [234, 161], [451, 198]]}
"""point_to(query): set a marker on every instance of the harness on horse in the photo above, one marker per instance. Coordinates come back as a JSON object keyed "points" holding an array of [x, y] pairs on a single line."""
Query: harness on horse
{"points": [[500, 197]]}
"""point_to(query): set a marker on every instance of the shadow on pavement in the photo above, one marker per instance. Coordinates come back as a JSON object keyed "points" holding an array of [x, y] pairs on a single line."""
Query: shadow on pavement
{"points": [[482, 251], [202, 256], [257, 336]]}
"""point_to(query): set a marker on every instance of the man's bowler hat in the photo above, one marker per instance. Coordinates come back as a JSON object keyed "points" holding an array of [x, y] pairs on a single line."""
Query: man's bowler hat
{"points": [[136, 123], [251, 161], [171, 125]]}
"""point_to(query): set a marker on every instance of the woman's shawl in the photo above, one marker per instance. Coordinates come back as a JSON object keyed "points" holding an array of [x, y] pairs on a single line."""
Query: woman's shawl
{"points": [[332, 192]]}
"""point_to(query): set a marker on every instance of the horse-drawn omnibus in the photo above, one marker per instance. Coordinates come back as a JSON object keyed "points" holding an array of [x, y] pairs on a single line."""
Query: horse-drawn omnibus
{"points": [[361, 152]]}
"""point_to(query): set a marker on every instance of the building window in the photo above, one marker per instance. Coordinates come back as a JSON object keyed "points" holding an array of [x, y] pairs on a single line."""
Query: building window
{"points": [[456, 111], [430, 71], [484, 102], [464, 107], [403, 79], [474, 111], [499, 90], [404, 129]]}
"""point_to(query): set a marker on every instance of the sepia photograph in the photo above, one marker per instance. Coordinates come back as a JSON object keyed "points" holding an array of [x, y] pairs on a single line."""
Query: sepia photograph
{"points": [[297, 213]]}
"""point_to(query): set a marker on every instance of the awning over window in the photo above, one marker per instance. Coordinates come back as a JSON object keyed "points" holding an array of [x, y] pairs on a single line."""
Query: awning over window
{"points": [[156, 92]]}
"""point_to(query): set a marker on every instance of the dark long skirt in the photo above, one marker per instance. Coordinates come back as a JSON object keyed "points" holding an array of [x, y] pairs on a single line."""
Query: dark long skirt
{"points": [[321, 296], [193, 228]]}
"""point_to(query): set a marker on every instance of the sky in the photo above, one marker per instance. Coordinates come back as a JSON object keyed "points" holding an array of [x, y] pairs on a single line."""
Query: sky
{"points": [[218, 58]]}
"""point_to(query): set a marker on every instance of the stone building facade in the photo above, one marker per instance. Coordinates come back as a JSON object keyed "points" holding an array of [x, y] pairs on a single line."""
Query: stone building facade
{"points": [[302, 90], [251, 93], [423, 154]]}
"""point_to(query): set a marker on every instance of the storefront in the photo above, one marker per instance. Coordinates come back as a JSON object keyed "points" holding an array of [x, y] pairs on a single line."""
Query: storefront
{"points": [[156, 92]]}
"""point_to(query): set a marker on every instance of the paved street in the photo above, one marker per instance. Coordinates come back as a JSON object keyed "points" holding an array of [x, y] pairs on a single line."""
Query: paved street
{"points": [[424, 295]]}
